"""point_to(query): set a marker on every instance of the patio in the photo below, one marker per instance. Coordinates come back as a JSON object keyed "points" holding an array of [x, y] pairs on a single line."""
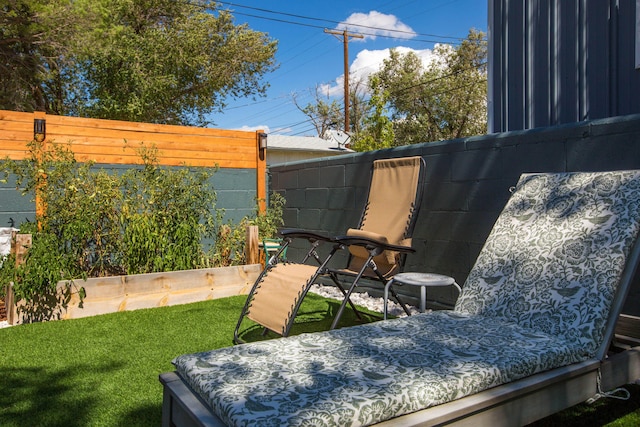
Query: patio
{"points": [[103, 369]]}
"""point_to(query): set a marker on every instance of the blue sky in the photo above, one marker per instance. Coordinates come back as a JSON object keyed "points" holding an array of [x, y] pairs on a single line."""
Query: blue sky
{"points": [[309, 58]]}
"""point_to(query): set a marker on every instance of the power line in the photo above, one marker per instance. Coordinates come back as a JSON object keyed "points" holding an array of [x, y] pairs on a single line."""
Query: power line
{"points": [[459, 40], [456, 39]]}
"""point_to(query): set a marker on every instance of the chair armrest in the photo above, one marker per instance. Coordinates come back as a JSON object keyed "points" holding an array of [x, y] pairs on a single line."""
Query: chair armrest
{"points": [[304, 234], [372, 244]]}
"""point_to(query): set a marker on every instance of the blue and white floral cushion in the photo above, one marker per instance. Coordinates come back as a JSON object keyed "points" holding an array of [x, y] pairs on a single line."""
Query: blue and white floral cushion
{"points": [[554, 258], [537, 299]]}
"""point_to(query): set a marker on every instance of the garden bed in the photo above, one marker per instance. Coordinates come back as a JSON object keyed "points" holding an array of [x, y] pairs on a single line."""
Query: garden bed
{"points": [[123, 293]]}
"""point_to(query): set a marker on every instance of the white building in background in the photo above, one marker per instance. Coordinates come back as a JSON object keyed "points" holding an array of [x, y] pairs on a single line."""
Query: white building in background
{"points": [[284, 148]]}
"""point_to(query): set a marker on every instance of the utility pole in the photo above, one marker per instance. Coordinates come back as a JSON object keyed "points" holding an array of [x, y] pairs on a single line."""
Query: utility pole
{"points": [[345, 40]]}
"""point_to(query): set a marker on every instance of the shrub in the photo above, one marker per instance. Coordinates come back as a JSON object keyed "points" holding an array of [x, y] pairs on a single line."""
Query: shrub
{"points": [[229, 248], [97, 223]]}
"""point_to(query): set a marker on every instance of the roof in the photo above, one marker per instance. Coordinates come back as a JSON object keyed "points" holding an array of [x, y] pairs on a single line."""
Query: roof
{"points": [[304, 143]]}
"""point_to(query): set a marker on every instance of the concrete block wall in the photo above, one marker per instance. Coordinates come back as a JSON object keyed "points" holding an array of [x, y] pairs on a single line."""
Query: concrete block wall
{"points": [[235, 189], [467, 185], [14, 207]]}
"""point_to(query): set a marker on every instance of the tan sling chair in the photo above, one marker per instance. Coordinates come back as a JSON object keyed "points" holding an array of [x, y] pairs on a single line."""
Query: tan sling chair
{"points": [[377, 248]]}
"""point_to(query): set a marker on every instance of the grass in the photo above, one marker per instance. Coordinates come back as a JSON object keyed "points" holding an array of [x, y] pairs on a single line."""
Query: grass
{"points": [[103, 370]]}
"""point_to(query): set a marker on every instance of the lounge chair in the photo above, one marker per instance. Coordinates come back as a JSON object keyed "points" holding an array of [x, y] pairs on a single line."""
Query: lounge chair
{"points": [[377, 250], [379, 245], [531, 333]]}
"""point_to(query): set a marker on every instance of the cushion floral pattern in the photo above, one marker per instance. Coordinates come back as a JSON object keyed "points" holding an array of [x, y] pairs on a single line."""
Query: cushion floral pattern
{"points": [[555, 256], [537, 299], [362, 375]]}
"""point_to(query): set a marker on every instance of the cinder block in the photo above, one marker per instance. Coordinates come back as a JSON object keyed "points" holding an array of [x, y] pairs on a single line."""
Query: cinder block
{"points": [[290, 218], [342, 198], [234, 180], [438, 168], [446, 256], [472, 227], [309, 178], [317, 198], [493, 163], [604, 152], [489, 195], [309, 219], [333, 176], [287, 179], [448, 196], [538, 157], [295, 197], [434, 225], [357, 174]]}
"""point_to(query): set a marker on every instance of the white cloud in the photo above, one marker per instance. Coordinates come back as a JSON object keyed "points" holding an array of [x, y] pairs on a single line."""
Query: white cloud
{"points": [[374, 24], [368, 62], [246, 128]]}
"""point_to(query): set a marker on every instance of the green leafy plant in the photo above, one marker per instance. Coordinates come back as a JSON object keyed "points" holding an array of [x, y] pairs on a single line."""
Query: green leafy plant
{"points": [[92, 223], [166, 213], [229, 248]]}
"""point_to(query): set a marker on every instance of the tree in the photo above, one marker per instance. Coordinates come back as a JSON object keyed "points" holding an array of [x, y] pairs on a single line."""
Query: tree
{"points": [[329, 114], [158, 61], [444, 100], [35, 40], [377, 128], [324, 115]]}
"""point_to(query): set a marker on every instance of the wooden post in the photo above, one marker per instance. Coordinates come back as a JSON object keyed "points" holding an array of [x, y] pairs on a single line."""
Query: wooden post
{"points": [[261, 175], [20, 244], [40, 205], [252, 247], [10, 304]]}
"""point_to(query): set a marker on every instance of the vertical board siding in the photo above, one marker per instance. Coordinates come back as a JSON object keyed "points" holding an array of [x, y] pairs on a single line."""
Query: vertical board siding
{"points": [[554, 62]]}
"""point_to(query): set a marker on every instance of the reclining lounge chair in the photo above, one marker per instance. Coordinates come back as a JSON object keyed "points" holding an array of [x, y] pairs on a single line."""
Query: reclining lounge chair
{"points": [[377, 250], [529, 336]]}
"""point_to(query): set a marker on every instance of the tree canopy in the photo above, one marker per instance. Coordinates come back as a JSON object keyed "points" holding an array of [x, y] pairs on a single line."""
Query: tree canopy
{"points": [[445, 99], [410, 102], [324, 115], [158, 61]]}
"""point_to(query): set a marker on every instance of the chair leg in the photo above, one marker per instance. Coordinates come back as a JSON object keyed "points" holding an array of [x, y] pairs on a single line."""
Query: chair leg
{"points": [[389, 287], [345, 297], [346, 300], [402, 304]]}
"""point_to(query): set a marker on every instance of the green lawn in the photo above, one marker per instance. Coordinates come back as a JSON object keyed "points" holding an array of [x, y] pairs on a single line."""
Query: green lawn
{"points": [[103, 370]]}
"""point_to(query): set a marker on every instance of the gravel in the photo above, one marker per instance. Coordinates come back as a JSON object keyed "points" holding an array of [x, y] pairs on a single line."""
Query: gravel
{"points": [[363, 299]]}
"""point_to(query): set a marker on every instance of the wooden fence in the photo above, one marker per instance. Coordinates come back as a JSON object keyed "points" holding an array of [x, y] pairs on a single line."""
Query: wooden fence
{"points": [[103, 141]]}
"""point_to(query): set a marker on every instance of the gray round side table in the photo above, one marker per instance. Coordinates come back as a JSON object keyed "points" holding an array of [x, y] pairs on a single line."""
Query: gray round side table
{"points": [[424, 280]]}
